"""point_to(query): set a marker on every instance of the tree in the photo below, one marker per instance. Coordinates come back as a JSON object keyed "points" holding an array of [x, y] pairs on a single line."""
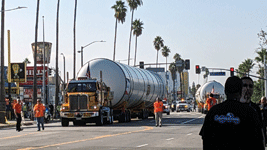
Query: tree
{"points": [[245, 68], [158, 44], [173, 70], [137, 31], [180, 69], [120, 14], [26, 60], [193, 89], [133, 4], [165, 52]]}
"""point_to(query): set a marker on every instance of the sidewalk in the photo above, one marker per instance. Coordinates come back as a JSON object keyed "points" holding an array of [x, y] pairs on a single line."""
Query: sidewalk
{"points": [[12, 123], [26, 122]]}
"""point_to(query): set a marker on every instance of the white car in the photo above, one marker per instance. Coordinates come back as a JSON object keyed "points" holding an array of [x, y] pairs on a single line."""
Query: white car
{"points": [[166, 107], [182, 106]]}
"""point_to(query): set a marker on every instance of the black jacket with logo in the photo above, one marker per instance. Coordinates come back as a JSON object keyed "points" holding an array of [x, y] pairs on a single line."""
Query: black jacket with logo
{"points": [[232, 125]]}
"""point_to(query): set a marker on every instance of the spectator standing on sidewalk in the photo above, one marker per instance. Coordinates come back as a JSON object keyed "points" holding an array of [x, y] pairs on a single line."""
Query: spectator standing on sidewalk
{"points": [[39, 110], [158, 109], [17, 112], [231, 124]]}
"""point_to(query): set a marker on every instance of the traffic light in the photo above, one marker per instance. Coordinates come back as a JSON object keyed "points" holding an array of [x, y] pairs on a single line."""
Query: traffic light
{"points": [[141, 64], [197, 69], [187, 64], [232, 71]]}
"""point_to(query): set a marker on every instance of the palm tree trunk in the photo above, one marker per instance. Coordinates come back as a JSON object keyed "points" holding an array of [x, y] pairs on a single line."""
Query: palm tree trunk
{"points": [[74, 40], [35, 58], [2, 98], [157, 59], [130, 39], [135, 50], [57, 84], [115, 39]]}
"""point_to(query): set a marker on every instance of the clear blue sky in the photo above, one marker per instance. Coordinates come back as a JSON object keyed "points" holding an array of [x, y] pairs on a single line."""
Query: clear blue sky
{"points": [[211, 33]]}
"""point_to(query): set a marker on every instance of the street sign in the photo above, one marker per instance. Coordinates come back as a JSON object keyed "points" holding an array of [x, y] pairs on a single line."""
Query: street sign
{"points": [[179, 63], [217, 73]]}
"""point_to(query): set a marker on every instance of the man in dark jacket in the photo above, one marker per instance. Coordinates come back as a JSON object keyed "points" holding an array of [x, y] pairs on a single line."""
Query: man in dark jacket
{"points": [[231, 124]]}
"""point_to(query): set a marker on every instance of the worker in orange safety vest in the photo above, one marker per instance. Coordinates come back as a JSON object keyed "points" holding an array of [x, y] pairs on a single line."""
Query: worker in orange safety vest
{"points": [[158, 109], [211, 101], [39, 110]]}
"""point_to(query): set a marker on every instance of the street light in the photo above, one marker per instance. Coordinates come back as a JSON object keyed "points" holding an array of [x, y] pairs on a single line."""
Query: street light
{"points": [[81, 51], [2, 89], [64, 68]]}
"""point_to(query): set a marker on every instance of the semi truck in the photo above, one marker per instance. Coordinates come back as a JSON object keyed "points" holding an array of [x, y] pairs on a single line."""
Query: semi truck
{"points": [[214, 87], [105, 91]]}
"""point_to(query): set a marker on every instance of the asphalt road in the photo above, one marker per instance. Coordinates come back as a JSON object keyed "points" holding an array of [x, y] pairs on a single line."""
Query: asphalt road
{"points": [[179, 131]]}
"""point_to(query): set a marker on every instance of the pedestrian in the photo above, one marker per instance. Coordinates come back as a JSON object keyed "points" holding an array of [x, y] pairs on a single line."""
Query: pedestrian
{"points": [[231, 124], [158, 109], [264, 115], [51, 109], [39, 110], [247, 92], [211, 101], [17, 112]]}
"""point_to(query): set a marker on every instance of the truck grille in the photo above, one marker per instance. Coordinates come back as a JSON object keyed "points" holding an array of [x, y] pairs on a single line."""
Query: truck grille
{"points": [[181, 106], [78, 102]]}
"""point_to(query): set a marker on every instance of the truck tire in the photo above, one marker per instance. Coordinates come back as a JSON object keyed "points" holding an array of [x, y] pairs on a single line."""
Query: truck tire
{"points": [[64, 122], [100, 120]]}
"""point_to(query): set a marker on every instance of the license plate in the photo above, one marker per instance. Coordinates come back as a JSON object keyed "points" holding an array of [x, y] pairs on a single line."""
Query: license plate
{"points": [[78, 118]]}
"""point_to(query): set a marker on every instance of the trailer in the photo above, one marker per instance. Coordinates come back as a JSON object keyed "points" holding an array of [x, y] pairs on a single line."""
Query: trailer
{"points": [[120, 92], [214, 87]]}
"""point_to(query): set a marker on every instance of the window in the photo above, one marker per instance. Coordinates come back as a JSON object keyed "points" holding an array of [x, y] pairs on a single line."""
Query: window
{"points": [[82, 87]]}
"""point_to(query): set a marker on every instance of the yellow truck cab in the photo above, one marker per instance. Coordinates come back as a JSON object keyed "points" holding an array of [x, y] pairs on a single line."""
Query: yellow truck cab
{"points": [[86, 101]]}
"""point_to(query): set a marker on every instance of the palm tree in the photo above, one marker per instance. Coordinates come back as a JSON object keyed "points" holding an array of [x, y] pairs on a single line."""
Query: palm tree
{"points": [[26, 60], [180, 69], [57, 28], [165, 52], [245, 68], [120, 14], [137, 31], [74, 40], [133, 4], [158, 44], [173, 70], [261, 54]]}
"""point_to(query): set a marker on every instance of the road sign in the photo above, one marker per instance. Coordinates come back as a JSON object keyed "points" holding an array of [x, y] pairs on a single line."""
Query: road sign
{"points": [[179, 63], [217, 73]]}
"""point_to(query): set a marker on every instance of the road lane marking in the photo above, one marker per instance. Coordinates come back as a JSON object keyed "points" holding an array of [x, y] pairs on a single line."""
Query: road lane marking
{"points": [[142, 145], [94, 138], [169, 139], [188, 121], [10, 137], [189, 133]]}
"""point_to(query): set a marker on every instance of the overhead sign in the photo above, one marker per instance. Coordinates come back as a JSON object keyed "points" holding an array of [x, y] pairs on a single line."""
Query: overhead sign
{"points": [[217, 73], [18, 72], [179, 63]]}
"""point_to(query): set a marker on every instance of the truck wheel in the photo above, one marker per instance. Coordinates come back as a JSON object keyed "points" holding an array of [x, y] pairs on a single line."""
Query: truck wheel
{"points": [[100, 121], [64, 122]]}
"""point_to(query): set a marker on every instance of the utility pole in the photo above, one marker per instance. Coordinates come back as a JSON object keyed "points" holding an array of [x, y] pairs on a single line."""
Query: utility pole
{"points": [[2, 98]]}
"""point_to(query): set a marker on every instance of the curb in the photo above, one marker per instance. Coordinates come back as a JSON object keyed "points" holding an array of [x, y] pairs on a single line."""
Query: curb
{"points": [[7, 125]]}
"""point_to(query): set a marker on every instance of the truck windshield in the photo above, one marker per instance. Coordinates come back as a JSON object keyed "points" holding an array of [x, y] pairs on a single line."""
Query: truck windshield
{"points": [[82, 87]]}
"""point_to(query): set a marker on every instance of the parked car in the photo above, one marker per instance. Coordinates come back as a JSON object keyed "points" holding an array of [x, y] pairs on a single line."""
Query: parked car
{"points": [[166, 107], [182, 106]]}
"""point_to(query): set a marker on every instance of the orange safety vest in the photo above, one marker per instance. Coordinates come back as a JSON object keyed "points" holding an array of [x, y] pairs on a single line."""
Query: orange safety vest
{"points": [[39, 110], [17, 107], [211, 102], [158, 106]]}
